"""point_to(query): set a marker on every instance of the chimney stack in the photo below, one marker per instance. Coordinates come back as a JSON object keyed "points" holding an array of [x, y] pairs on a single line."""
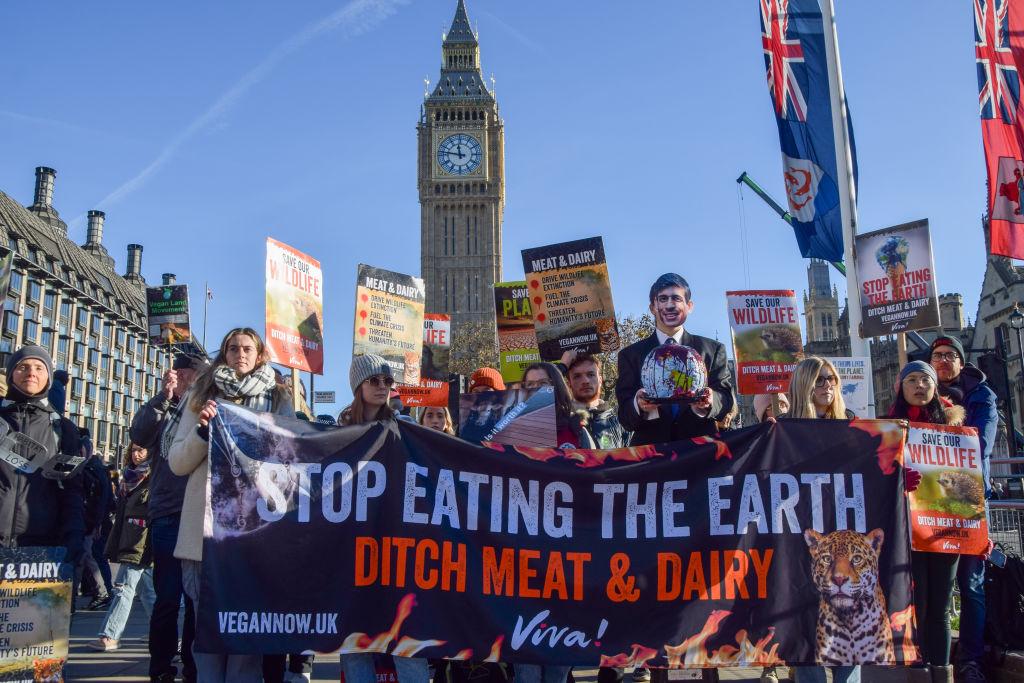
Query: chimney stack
{"points": [[94, 234], [170, 279], [42, 202], [134, 271]]}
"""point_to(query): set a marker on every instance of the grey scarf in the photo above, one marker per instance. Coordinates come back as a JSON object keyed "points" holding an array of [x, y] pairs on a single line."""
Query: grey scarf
{"points": [[255, 390]]}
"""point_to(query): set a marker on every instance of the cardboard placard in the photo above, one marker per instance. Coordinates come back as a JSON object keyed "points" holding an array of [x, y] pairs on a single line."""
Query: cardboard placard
{"points": [[518, 417], [167, 313], [854, 383], [896, 279], [947, 511], [766, 342], [389, 320], [295, 308], [432, 389], [571, 298], [35, 612], [517, 341]]}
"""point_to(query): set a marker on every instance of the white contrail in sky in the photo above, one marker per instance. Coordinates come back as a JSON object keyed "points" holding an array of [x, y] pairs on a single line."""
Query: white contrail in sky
{"points": [[355, 18]]}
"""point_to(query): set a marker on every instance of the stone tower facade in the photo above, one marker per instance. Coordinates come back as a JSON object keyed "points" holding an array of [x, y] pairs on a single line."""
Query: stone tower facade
{"points": [[461, 176], [821, 304]]}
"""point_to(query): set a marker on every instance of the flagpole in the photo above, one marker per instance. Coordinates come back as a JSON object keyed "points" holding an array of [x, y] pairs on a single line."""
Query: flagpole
{"points": [[847, 188], [206, 301]]}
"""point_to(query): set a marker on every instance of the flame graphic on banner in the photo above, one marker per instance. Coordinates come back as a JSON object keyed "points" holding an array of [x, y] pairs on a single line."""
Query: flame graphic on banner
{"points": [[906, 621], [721, 448], [638, 658], [892, 434], [406, 646], [589, 458]]}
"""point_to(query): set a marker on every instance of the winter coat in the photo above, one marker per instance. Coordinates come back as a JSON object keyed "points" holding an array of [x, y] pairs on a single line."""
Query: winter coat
{"points": [[602, 422], [980, 403], [35, 510], [166, 489], [129, 539]]}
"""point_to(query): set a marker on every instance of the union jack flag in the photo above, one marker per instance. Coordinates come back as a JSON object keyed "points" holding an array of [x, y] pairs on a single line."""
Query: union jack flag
{"points": [[998, 79], [780, 54]]}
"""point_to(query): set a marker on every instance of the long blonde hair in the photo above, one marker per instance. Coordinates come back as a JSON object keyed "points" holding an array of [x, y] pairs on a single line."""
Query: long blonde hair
{"points": [[802, 386], [204, 388], [449, 426], [358, 412]]}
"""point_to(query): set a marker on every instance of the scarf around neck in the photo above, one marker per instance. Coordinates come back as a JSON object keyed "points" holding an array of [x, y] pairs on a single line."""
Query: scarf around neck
{"points": [[258, 384], [133, 476]]}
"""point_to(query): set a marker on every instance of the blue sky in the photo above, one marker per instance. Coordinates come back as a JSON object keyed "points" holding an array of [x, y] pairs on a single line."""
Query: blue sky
{"points": [[203, 128]]}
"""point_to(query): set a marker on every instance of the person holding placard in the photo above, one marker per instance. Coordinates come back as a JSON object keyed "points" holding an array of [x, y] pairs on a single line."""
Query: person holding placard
{"points": [[918, 400], [670, 304]]}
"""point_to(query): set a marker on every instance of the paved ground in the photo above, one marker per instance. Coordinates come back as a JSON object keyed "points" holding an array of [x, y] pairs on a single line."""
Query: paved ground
{"points": [[130, 662]]}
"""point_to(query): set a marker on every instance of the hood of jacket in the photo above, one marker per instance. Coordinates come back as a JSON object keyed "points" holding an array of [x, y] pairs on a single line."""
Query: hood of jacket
{"points": [[30, 351]]}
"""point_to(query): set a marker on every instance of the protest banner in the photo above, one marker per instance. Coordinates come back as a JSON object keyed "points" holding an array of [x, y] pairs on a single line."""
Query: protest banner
{"points": [[571, 298], [896, 278], [516, 416], [432, 389], [947, 511], [389, 320], [35, 613], [693, 554], [295, 308], [766, 341], [517, 341], [854, 378], [167, 314]]}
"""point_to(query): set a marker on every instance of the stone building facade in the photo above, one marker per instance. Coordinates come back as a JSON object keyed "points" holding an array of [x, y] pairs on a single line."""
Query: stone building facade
{"points": [[92, 319], [461, 180]]}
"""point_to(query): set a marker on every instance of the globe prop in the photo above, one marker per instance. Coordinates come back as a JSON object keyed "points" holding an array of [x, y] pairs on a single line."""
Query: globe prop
{"points": [[673, 373]]}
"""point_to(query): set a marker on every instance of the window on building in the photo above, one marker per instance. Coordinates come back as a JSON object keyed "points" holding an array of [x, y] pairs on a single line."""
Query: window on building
{"points": [[11, 322], [94, 359], [83, 317], [31, 331], [35, 291], [77, 387], [104, 364], [121, 336], [46, 340], [97, 322], [90, 392], [65, 311], [17, 280], [80, 350]]}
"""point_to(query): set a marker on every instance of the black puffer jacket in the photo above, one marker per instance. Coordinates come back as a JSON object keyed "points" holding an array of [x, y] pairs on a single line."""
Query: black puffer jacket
{"points": [[35, 510]]}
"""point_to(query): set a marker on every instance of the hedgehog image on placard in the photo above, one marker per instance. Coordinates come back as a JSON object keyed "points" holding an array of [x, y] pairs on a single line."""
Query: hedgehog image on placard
{"points": [[782, 338], [961, 487]]}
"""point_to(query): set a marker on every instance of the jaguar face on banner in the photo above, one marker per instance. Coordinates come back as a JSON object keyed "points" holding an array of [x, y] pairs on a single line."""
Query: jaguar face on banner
{"points": [[783, 543]]}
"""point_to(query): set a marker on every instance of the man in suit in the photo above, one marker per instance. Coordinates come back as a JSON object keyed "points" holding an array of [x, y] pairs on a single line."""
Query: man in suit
{"points": [[670, 304]]}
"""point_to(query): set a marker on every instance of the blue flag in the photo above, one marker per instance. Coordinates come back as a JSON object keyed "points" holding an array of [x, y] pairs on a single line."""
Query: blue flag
{"points": [[793, 39]]}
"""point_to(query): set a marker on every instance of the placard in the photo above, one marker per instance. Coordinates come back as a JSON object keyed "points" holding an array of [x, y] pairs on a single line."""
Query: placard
{"points": [[896, 277], [295, 308], [432, 389], [947, 511], [571, 298], [324, 396], [517, 341], [854, 378], [35, 613], [389, 320], [167, 313], [766, 340], [524, 417]]}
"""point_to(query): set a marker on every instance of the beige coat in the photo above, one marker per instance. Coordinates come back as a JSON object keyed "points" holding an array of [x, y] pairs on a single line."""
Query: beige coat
{"points": [[188, 456]]}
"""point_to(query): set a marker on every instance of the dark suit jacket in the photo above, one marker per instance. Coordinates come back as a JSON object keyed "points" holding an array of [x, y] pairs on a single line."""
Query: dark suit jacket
{"points": [[687, 424]]}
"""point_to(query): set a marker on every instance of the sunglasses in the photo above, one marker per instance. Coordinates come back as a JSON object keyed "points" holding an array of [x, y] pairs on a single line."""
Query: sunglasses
{"points": [[381, 381], [822, 380]]}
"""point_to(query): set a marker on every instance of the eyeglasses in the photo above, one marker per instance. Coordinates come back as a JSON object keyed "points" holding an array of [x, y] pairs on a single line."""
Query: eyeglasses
{"points": [[381, 381], [537, 383], [949, 357], [822, 380], [673, 298]]}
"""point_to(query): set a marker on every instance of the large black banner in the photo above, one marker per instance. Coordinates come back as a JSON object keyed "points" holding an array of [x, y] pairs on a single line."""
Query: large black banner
{"points": [[394, 538]]}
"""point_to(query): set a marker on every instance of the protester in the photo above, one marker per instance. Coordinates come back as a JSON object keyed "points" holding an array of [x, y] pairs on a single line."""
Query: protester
{"points": [[918, 400], [814, 394], [98, 496], [486, 379], [437, 418], [35, 510], [57, 395], [129, 546], [763, 409], [240, 374], [585, 383], [670, 304], [570, 424], [371, 380], [965, 385], [153, 427]]}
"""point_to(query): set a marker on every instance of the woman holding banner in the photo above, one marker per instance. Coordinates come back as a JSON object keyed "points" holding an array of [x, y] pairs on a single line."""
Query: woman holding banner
{"points": [[371, 380], [918, 400], [241, 374], [814, 393]]}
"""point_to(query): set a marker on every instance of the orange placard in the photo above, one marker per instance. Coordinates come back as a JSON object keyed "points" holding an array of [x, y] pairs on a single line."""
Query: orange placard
{"points": [[765, 325], [432, 389], [295, 308]]}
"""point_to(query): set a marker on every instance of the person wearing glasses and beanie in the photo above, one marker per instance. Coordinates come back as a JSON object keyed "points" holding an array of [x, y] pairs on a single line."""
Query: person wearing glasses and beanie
{"points": [[965, 386], [371, 380]]}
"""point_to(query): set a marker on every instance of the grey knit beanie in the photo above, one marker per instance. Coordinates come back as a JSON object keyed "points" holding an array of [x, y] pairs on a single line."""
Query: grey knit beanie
{"points": [[365, 367], [919, 366]]}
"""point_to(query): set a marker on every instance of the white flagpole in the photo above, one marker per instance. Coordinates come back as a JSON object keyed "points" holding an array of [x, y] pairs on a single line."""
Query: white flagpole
{"points": [[847, 188]]}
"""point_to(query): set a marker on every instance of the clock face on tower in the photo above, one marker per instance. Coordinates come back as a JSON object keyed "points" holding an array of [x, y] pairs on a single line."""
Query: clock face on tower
{"points": [[459, 154]]}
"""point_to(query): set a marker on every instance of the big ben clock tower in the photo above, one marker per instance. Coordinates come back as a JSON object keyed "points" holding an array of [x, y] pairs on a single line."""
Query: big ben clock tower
{"points": [[461, 172]]}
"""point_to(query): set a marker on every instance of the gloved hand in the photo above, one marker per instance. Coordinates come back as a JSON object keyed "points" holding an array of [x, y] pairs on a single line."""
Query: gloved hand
{"points": [[911, 479]]}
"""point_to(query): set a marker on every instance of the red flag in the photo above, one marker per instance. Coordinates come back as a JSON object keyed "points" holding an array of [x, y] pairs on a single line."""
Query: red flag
{"points": [[999, 49]]}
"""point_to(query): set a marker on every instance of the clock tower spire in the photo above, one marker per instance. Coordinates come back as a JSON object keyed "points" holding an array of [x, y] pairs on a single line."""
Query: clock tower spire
{"points": [[461, 179]]}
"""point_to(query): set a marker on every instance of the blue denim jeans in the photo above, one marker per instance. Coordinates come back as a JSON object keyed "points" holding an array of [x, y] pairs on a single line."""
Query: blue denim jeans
{"points": [[816, 674], [163, 624], [535, 673], [359, 668], [128, 577], [970, 576]]}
